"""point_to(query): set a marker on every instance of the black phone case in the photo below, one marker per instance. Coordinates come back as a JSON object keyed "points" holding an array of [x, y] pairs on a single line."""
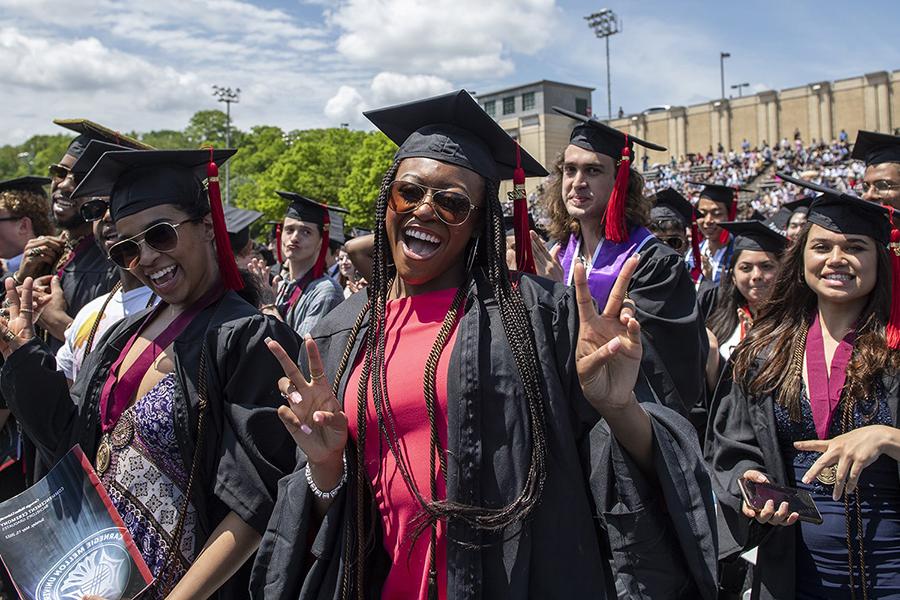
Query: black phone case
{"points": [[799, 501]]}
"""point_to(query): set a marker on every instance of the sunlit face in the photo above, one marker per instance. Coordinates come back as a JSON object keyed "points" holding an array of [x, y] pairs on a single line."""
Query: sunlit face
{"points": [[889, 173], [753, 275], [65, 209], [709, 214], [588, 179], [427, 252], [182, 275], [345, 266], [105, 233], [300, 241], [837, 267], [15, 232], [795, 225]]}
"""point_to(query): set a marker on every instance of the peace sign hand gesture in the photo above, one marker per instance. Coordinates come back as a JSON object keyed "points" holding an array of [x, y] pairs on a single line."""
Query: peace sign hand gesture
{"points": [[313, 416], [608, 352], [19, 328]]}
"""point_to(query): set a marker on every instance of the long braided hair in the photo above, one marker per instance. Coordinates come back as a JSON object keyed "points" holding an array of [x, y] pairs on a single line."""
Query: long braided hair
{"points": [[490, 258]]}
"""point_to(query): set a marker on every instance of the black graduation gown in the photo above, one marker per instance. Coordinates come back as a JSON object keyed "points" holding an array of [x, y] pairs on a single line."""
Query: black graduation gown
{"points": [[745, 437], [246, 448], [661, 533], [673, 330], [88, 276]]}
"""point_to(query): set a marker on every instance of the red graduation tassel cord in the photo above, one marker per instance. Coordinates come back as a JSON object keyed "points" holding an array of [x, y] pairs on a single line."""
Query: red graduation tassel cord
{"points": [[697, 269], [616, 229], [732, 215], [892, 331], [278, 244], [524, 254], [227, 267], [319, 268]]}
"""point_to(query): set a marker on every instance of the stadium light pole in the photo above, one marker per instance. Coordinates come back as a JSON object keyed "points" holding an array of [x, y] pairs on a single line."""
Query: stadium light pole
{"points": [[740, 88], [722, 57], [605, 24], [228, 96]]}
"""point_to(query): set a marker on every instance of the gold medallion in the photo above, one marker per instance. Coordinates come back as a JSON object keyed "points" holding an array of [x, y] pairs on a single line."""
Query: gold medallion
{"points": [[828, 475], [123, 432], [104, 455]]}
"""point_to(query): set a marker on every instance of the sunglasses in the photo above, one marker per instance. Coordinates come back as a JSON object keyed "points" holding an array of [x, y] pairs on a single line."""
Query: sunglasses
{"points": [[58, 172], [453, 208], [162, 237], [93, 209], [674, 242]]}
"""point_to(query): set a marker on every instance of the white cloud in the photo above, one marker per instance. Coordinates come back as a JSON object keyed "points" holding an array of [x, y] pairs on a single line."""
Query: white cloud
{"points": [[385, 89], [451, 38]]}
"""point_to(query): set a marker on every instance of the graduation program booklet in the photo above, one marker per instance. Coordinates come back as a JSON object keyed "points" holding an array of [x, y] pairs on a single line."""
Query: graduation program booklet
{"points": [[62, 538]]}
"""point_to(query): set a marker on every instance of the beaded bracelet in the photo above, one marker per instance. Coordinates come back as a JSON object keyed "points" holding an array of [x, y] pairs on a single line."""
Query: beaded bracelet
{"points": [[330, 494]]}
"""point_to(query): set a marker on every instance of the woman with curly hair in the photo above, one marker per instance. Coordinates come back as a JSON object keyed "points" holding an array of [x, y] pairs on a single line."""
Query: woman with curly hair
{"points": [[458, 421], [814, 406], [599, 214]]}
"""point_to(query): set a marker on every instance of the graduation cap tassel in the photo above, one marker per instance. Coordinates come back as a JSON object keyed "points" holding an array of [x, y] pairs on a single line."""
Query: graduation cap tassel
{"points": [[697, 269], [732, 216], [524, 254], [892, 331], [227, 267], [615, 229], [319, 268]]}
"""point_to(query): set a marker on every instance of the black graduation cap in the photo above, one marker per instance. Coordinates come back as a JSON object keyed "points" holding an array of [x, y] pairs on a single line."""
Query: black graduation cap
{"points": [[757, 216], [755, 235], [91, 154], [670, 205], [875, 148], [453, 128], [29, 183], [237, 223], [719, 193], [88, 130], [780, 220], [307, 210], [356, 232], [801, 204], [593, 135], [135, 181], [845, 213], [337, 237]]}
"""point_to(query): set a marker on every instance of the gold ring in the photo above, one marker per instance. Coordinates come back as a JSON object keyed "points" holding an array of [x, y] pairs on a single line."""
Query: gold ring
{"points": [[26, 310], [316, 377]]}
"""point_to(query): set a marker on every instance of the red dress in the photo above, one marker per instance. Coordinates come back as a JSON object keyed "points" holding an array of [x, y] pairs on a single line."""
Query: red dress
{"points": [[413, 324]]}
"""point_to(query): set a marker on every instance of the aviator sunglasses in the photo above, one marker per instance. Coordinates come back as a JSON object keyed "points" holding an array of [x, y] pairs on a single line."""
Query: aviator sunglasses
{"points": [[162, 237], [453, 208]]}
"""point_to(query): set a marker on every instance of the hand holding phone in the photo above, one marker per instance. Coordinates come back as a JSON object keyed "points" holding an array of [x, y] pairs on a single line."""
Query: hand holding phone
{"points": [[776, 504]]}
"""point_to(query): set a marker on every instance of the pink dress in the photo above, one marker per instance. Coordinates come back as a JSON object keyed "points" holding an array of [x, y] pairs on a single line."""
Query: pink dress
{"points": [[412, 327]]}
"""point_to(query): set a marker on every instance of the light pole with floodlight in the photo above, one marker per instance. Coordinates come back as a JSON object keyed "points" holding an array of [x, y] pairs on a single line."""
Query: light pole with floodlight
{"points": [[228, 96], [605, 24]]}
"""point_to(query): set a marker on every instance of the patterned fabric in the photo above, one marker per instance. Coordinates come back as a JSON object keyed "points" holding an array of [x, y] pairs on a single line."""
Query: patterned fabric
{"points": [[146, 480]]}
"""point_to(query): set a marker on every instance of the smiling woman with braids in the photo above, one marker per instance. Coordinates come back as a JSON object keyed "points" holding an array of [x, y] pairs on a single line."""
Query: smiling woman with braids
{"points": [[447, 428]]}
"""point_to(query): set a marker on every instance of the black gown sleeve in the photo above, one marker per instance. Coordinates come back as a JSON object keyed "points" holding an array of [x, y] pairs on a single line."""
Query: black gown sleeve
{"points": [[673, 331]]}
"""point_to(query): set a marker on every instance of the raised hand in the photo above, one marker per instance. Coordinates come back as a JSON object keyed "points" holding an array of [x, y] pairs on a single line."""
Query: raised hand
{"points": [[19, 328], [39, 256], [849, 454], [608, 353], [546, 262], [313, 416]]}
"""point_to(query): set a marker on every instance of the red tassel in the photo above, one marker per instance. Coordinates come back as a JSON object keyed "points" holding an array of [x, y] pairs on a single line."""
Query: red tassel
{"points": [[524, 254], [697, 269], [616, 230], [278, 244], [227, 267], [732, 215], [319, 268], [892, 331]]}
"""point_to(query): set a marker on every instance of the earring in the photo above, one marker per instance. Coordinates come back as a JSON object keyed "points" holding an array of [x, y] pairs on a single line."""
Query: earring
{"points": [[473, 252]]}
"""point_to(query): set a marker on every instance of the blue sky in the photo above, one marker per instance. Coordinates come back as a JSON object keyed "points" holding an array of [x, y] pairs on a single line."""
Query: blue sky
{"points": [[311, 63]]}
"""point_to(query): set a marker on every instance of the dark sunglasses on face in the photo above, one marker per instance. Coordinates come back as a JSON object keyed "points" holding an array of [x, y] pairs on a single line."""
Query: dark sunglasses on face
{"points": [[59, 172], [93, 209], [162, 237], [453, 208], [674, 242]]}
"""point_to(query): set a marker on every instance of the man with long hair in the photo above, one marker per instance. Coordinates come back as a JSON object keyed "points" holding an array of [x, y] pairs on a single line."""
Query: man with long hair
{"points": [[599, 215]]}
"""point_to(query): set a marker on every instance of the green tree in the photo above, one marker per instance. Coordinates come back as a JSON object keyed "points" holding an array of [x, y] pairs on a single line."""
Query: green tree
{"points": [[363, 183], [207, 127], [165, 139]]}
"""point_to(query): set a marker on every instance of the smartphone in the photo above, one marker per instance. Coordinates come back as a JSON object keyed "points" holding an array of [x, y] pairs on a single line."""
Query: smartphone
{"points": [[799, 501]]}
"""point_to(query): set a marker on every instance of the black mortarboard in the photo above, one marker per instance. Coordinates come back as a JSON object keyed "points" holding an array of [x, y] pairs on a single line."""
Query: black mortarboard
{"points": [[135, 181], [237, 223], [780, 220], [593, 135], [337, 237], [88, 130], [755, 235], [670, 205], [91, 154], [718, 193], [802, 203], [453, 128], [875, 148], [308, 210], [757, 216], [29, 183], [844, 213]]}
